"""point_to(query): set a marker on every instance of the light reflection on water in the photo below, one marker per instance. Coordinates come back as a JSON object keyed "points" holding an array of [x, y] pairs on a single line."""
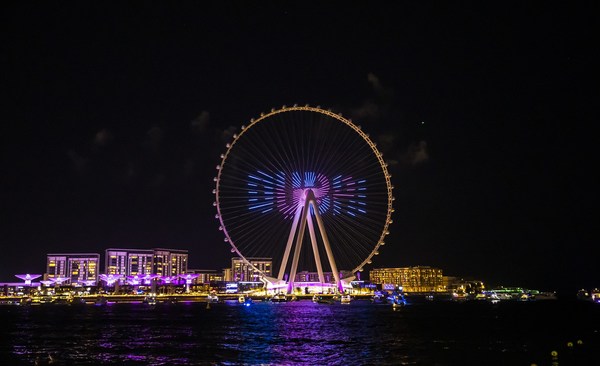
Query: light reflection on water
{"points": [[295, 333]]}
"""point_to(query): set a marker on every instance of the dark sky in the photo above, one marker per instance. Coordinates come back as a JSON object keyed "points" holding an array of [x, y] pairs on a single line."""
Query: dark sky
{"points": [[115, 115]]}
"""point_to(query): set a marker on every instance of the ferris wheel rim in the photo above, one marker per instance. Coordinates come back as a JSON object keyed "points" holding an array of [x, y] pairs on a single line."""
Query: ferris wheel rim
{"points": [[336, 116]]}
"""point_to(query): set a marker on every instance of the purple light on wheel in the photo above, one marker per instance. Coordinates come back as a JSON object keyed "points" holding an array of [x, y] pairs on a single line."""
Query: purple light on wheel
{"points": [[285, 193]]}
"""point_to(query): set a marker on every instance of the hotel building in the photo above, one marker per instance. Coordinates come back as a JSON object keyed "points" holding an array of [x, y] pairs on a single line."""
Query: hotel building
{"points": [[241, 271], [140, 262], [206, 276], [73, 268], [411, 279]]}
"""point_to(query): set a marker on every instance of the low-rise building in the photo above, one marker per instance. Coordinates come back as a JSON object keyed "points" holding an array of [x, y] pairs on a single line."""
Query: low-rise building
{"points": [[410, 279]]}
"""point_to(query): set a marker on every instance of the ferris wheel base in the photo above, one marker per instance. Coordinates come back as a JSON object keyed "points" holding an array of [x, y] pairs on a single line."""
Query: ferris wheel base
{"points": [[274, 285]]}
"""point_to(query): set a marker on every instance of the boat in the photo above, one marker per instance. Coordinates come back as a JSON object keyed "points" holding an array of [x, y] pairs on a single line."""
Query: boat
{"points": [[150, 300], [345, 299], [13, 301], [378, 298], [245, 300], [101, 301], [46, 300], [596, 295], [398, 301], [279, 297], [212, 298], [319, 299]]}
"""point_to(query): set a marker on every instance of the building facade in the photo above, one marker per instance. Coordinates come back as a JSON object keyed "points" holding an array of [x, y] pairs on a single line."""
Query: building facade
{"points": [[73, 268], [242, 271], [142, 262], [206, 276], [305, 276], [411, 279]]}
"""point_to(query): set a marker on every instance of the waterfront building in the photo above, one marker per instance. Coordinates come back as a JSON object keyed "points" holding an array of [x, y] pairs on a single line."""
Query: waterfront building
{"points": [[410, 279], [245, 270], [72, 268], [144, 262], [313, 277], [227, 275], [206, 276]]}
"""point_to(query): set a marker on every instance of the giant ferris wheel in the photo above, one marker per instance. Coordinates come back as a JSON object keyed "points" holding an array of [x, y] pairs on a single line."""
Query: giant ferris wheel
{"points": [[307, 189]]}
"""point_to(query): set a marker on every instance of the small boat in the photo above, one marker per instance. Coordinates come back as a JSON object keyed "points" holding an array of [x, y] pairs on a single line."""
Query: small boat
{"points": [[46, 299], [319, 299], [596, 295], [398, 301], [212, 298], [278, 298], [100, 301], [150, 300], [345, 299], [379, 298], [10, 302], [245, 300]]}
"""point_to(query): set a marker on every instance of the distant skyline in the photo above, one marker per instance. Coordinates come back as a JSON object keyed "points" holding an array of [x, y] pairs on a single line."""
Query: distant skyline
{"points": [[116, 115]]}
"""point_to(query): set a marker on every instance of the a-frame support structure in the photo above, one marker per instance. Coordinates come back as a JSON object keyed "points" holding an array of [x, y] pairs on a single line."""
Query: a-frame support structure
{"points": [[303, 217]]}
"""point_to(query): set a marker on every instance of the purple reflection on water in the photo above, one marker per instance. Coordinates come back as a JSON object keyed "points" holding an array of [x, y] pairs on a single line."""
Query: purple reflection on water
{"points": [[293, 333]]}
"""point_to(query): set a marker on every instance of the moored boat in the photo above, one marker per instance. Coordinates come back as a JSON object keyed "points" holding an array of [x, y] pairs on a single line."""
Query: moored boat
{"points": [[150, 300], [398, 301], [212, 298], [279, 297]]}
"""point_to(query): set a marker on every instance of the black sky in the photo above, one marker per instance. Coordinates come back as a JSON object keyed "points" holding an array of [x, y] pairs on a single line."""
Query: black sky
{"points": [[115, 115]]}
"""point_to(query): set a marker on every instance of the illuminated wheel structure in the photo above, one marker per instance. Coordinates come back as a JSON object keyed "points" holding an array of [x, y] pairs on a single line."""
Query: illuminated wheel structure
{"points": [[296, 168]]}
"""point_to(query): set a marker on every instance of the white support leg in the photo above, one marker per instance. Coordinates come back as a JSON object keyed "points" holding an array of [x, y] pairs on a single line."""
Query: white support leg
{"points": [[299, 239], [288, 247], [334, 269], [315, 248]]}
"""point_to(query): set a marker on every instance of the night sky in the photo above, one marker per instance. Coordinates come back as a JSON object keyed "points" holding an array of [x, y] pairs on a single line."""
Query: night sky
{"points": [[115, 115]]}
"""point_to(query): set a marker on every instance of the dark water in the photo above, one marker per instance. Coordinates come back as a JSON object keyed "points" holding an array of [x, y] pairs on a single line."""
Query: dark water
{"points": [[303, 333]]}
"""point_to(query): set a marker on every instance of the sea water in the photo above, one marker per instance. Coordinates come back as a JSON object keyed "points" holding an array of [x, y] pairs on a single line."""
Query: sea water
{"points": [[551, 332]]}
